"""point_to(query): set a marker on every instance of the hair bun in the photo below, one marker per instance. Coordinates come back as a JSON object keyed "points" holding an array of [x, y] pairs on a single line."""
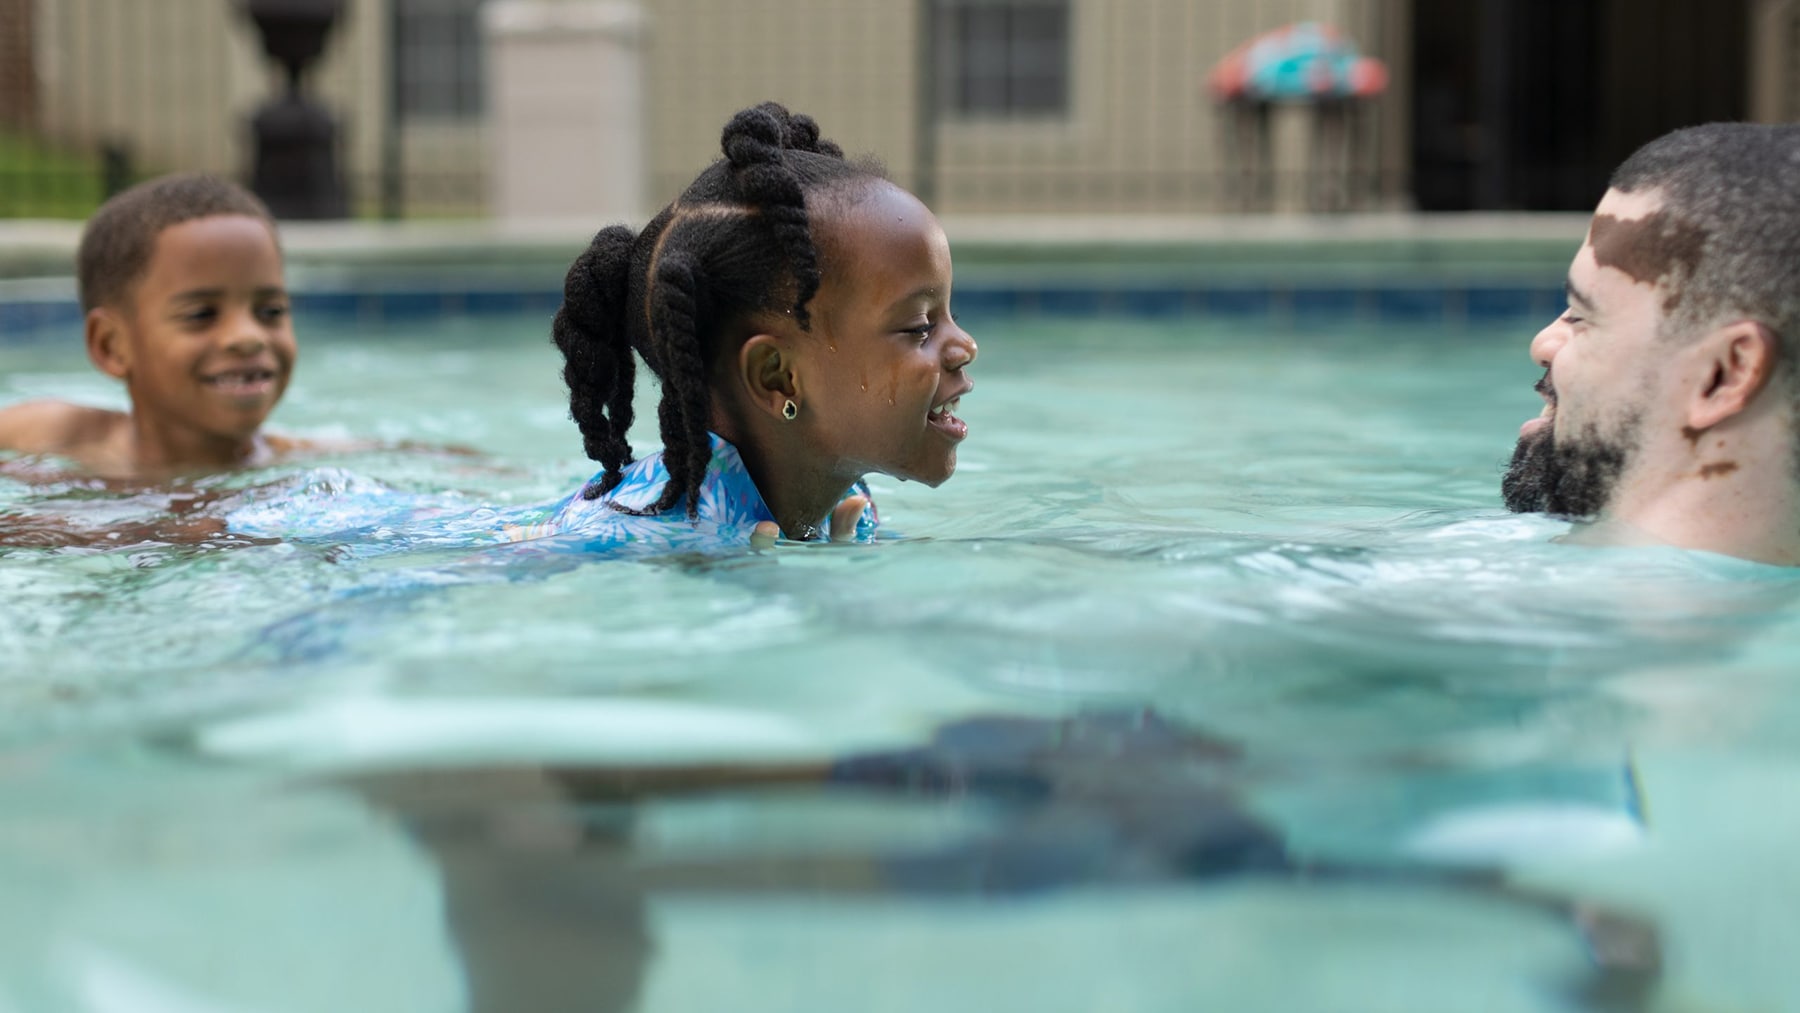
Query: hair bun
{"points": [[755, 136], [803, 135]]}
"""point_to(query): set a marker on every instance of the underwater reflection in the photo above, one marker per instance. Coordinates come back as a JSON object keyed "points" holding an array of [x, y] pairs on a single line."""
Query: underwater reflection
{"points": [[547, 877]]}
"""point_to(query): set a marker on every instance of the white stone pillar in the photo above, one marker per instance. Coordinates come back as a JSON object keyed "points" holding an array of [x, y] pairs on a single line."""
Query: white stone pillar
{"points": [[565, 109]]}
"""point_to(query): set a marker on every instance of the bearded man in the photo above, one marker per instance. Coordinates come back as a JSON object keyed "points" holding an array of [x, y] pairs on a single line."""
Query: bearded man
{"points": [[1671, 383]]}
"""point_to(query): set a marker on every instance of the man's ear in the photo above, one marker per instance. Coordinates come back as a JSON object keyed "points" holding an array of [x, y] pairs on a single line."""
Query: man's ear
{"points": [[1738, 360], [106, 344], [766, 371]]}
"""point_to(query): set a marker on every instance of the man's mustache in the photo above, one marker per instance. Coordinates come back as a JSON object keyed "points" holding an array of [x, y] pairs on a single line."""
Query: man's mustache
{"points": [[1546, 388]]}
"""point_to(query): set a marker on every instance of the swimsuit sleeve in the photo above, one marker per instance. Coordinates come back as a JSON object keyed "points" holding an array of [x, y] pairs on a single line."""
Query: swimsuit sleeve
{"points": [[870, 521]]}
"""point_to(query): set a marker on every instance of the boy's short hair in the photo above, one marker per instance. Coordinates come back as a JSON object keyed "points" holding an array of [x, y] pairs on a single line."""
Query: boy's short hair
{"points": [[117, 242]]}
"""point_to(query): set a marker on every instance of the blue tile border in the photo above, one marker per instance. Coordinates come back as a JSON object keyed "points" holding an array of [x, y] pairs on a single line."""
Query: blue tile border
{"points": [[1324, 305], [1305, 306], [26, 317], [1411, 305], [1238, 303], [1499, 303]]}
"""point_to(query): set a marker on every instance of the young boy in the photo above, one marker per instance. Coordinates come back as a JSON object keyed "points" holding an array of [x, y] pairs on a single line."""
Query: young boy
{"points": [[181, 282]]}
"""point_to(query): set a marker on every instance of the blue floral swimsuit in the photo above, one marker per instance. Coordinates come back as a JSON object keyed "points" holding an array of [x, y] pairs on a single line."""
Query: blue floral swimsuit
{"points": [[365, 519], [730, 508]]}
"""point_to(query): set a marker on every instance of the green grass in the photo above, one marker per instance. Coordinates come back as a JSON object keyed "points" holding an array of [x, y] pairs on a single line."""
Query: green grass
{"points": [[38, 180]]}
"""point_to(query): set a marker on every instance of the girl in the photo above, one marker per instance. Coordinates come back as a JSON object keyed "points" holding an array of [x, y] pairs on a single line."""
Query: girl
{"points": [[796, 308]]}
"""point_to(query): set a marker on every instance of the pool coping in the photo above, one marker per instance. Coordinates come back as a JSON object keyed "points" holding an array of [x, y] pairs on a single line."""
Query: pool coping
{"points": [[1404, 268], [39, 248]]}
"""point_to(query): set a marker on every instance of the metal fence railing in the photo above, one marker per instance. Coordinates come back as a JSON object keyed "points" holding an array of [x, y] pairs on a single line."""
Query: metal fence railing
{"points": [[97, 93], [986, 106]]}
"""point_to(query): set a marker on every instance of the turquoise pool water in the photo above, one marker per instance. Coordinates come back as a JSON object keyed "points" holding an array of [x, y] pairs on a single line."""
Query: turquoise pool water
{"points": [[1216, 679]]}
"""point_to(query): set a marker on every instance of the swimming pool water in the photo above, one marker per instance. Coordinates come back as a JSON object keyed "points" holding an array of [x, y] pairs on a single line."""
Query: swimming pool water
{"points": [[1215, 679]]}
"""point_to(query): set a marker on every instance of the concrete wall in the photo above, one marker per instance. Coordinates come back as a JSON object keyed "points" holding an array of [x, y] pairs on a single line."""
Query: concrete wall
{"points": [[565, 109]]}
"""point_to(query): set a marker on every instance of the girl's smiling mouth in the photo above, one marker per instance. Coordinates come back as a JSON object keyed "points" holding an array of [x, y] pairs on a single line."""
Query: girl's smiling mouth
{"points": [[942, 417]]}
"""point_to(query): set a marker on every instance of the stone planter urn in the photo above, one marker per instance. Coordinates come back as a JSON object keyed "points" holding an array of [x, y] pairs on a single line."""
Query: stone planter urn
{"points": [[295, 166]]}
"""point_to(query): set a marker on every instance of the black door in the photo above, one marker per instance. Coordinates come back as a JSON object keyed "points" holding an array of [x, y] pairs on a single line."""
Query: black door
{"points": [[1530, 104]]}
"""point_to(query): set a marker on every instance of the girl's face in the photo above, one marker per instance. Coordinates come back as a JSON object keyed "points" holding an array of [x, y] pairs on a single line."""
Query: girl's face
{"points": [[885, 364]]}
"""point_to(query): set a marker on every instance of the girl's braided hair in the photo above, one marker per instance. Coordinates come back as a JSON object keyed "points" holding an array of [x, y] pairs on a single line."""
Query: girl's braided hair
{"points": [[737, 242]]}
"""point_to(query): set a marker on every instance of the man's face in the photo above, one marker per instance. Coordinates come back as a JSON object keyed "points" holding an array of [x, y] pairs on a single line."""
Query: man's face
{"points": [[1604, 374]]}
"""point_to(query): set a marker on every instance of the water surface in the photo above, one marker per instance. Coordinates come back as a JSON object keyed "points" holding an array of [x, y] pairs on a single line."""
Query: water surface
{"points": [[1215, 679]]}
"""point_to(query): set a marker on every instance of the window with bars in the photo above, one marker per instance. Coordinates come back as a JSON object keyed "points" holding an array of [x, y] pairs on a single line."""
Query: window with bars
{"points": [[437, 58], [1003, 58]]}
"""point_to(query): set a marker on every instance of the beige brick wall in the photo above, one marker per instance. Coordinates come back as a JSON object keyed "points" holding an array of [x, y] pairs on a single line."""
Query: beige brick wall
{"points": [[178, 80], [1775, 60], [851, 64], [1141, 134], [1787, 67], [18, 70]]}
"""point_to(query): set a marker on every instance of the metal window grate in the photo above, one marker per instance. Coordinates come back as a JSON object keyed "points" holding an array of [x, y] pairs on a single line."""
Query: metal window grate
{"points": [[1004, 57], [438, 65]]}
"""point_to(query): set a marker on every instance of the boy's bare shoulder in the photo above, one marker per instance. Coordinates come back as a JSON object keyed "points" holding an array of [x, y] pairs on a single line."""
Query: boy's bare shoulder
{"points": [[56, 427]]}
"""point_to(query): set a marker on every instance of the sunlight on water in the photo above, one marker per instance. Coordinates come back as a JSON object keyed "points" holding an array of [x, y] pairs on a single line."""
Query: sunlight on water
{"points": [[1216, 659]]}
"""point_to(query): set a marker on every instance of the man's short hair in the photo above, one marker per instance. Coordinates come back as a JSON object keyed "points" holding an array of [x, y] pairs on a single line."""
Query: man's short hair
{"points": [[118, 240], [1736, 185]]}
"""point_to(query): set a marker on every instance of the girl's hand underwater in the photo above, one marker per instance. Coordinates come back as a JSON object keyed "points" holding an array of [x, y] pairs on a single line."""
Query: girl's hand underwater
{"points": [[843, 524]]}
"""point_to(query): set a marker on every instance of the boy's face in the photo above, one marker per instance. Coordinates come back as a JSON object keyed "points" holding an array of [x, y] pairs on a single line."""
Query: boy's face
{"points": [[205, 344]]}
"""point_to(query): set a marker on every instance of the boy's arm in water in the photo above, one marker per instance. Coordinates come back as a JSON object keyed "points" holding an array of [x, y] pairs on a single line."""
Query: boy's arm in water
{"points": [[26, 531], [307, 446], [67, 430], [95, 441]]}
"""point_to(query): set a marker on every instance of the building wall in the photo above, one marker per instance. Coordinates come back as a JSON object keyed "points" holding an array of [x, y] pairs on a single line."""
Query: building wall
{"points": [[18, 70], [1775, 60], [1141, 134], [851, 64], [177, 81]]}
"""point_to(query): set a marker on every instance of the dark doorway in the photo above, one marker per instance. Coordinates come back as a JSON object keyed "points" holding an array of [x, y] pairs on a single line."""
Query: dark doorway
{"points": [[1530, 104]]}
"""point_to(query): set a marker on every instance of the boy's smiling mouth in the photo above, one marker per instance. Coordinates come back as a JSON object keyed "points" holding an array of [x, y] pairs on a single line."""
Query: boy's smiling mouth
{"points": [[247, 381]]}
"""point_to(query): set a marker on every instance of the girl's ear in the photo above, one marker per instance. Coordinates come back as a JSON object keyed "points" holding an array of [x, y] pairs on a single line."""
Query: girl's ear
{"points": [[106, 344], [766, 371], [1739, 359]]}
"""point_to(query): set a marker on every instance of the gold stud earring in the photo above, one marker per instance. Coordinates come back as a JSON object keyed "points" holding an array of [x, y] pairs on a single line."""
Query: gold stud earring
{"points": [[790, 410]]}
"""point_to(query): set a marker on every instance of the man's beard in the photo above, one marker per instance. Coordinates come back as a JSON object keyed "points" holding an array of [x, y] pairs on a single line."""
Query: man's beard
{"points": [[1574, 479]]}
